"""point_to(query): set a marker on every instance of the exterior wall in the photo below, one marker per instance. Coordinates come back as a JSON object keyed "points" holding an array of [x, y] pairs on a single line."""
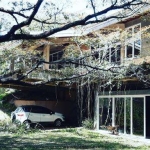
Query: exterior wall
{"points": [[118, 25]]}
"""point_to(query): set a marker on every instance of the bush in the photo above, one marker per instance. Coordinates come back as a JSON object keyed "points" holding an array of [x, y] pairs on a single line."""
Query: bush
{"points": [[88, 124], [17, 128]]}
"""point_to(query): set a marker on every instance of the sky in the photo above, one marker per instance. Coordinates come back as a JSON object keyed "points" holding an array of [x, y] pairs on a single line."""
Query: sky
{"points": [[71, 6], [74, 6], [77, 5]]}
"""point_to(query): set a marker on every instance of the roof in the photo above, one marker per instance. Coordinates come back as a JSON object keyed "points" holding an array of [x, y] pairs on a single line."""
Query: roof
{"points": [[109, 22], [97, 26]]}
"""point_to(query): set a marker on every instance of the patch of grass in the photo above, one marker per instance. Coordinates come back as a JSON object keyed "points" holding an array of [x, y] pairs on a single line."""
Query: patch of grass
{"points": [[71, 130], [64, 139]]}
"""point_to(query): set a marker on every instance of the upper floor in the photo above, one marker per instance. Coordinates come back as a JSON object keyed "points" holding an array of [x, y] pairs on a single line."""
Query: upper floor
{"points": [[121, 42], [131, 46]]}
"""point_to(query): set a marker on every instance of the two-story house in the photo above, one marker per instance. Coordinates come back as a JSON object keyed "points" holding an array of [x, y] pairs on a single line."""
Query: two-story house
{"points": [[127, 107]]}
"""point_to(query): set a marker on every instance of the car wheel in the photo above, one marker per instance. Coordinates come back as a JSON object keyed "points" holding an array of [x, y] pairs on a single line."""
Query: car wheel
{"points": [[58, 123], [27, 124]]}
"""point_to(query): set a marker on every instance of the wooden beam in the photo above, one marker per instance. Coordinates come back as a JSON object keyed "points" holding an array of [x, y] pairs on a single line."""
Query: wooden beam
{"points": [[46, 56]]}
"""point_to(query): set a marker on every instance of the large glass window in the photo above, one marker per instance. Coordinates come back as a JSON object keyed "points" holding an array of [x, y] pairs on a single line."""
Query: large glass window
{"points": [[105, 112], [128, 114], [111, 54], [119, 113], [133, 41], [138, 116]]}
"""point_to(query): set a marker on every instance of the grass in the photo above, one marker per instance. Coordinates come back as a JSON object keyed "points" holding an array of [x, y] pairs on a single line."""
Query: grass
{"points": [[70, 138]]}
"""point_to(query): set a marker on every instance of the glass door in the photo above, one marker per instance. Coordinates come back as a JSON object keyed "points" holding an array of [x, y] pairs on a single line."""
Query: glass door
{"points": [[119, 113], [105, 112], [138, 116], [128, 114]]}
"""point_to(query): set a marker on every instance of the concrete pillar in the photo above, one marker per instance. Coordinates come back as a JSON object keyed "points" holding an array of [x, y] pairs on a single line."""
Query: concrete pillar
{"points": [[96, 109]]}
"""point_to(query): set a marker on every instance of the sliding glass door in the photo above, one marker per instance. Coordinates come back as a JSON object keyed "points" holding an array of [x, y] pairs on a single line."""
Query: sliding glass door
{"points": [[105, 112], [138, 116], [128, 115], [119, 113], [126, 112]]}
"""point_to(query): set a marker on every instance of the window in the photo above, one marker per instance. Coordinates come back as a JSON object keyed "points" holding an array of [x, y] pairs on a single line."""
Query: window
{"points": [[55, 56], [27, 108], [110, 54], [133, 42], [126, 111], [44, 110]]}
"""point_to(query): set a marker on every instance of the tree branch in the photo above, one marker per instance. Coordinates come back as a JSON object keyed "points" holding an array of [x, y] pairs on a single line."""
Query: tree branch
{"points": [[11, 36], [24, 23]]}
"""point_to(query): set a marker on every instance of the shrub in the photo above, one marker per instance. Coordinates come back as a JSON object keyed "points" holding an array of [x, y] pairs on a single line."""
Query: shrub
{"points": [[17, 128], [88, 124]]}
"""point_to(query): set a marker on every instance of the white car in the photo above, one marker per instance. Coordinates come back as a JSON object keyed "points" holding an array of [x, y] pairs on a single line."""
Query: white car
{"points": [[28, 114]]}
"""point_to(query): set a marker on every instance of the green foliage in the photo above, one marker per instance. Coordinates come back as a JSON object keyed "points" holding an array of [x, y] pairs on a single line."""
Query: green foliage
{"points": [[4, 104], [2, 95], [88, 124], [16, 128]]}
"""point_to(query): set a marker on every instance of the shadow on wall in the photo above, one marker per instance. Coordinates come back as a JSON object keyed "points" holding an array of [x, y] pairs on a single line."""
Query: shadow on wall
{"points": [[65, 107]]}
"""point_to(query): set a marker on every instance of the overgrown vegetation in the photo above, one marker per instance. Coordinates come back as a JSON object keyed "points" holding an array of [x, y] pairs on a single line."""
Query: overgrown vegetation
{"points": [[88, 123], [18, 129], [5, 104]]}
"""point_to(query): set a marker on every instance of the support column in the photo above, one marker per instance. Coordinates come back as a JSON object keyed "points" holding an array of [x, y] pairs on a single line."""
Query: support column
{"points": [[96, 109], [113, 111], [46, 56], [144, 117]]}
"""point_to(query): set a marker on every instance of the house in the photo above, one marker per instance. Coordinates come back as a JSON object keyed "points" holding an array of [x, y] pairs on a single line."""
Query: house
{"points": [[128, 106]]}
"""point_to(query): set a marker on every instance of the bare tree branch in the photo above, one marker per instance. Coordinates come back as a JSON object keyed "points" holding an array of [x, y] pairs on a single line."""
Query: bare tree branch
{"points": [[11, 36], [12, 13]]}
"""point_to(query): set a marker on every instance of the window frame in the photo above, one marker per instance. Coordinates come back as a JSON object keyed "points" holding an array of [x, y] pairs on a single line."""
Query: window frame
{"points": [[131, 40], [107, 49]]}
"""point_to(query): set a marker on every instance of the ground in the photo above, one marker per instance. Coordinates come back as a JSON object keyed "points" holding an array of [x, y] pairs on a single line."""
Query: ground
{"points": [[67, 138]]}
